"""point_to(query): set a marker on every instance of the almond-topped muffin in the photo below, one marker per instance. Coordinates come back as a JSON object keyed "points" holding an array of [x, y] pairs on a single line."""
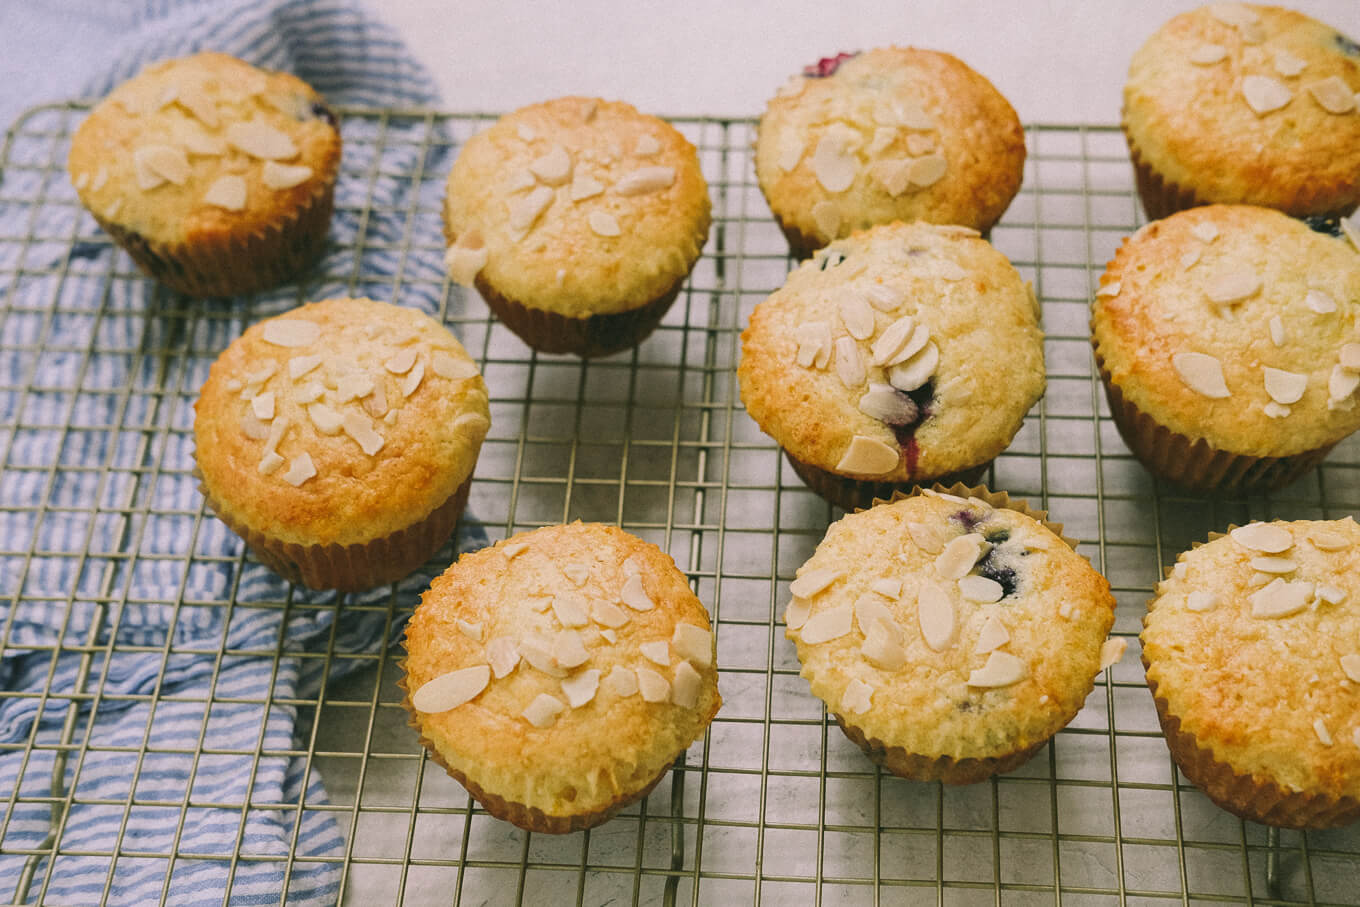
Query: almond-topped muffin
{"points": [[1239, 103], [1228, 340], [1252, 650], [905, 354], [577, 220], [951, 635], [216, 177], [558, 674], [339, 439], [896, 133]]}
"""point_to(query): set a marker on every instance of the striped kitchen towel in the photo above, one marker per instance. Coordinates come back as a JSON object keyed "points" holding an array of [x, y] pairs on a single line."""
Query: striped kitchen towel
{"points": [[133, 638]]}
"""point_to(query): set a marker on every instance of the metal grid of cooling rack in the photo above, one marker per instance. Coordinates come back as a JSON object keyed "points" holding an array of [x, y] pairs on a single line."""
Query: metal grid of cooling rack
{"points": [[773, 805]]}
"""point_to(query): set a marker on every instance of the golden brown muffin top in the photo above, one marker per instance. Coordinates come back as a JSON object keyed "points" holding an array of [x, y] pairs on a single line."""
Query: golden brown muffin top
{"points": [[1238, 325], [1253, 640], [896, 133], [578, 206], [1254, 104], [204, 148], [948, 627], [904, 351], [339, 422], [562, 669]]}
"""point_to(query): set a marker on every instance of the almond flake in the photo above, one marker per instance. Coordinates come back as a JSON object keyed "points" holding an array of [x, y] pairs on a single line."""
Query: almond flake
{"points": [[227, 192], [1112, 650], [454, 368], [1208, 54], [413, 379], [526, 132], [568, 650], [912, 374], [284, 176], [448, 691], [828, 625], [1332, 595], [263, 406], [291, 332], [375, 404], [113, 208], [622, 682], [1234, 14], [392, 416], [503, 653], [524, 211], [1284, 387], [927, 171], [849, 360], [918, 144], [1264, 94], [270, 462], [645, 180], [1190, 259], [1350, 665], [634, 595], [790, 153], [888, 588], [519, 180], [300, 366], [1263, 537], [156, 164], [1350, 356], [952, 270], [893, 174], [1320, 302], [883, 297], [300, 469], [1276, 411], [694, 644], [631, 567], [252, 427], [647, 146], [881, 650], [912, 116], [464, 264], [602, 223], [993, 635], [980, 589], [686, 686], [960, 555], [857, 698], [869, 610], [1202, 373], [883, 137], [653, 686], [260, 140], [539, 603], [894, 338], [326, 420], [353, 386], [194, 99], [1323, 540], [1257, 580], [1332, 94], [926, 537], [608, 614], [543, 711], [277, 430], [1001, 670], [832, 163], [471, 629], [1232, 287], [1277, 335], [1288, 65], [580, 689], [1274, 565], [869, 457], [1180, 571], [797, 613], [1110, 290], [658, 652], [1324, 736], [857, 316], [584, 187], [1206, 231], [885, 404], [814, 344], [578, 573], [512, 550], [1200, 601], [1281, 599], [935, 614], [827, 216], [570, 610], [401, 362], [360, 430], [553, 168]]}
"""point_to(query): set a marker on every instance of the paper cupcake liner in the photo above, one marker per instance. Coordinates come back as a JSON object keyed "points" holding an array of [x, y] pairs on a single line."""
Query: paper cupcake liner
{"points": [[1193, 463], [947, 769], [353, 568], [529, 818], [237, 264], [857, 494], [594, 335]]}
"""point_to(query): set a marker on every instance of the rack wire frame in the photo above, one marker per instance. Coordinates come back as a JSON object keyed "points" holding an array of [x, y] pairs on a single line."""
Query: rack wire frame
{"points": [[773, 805]]}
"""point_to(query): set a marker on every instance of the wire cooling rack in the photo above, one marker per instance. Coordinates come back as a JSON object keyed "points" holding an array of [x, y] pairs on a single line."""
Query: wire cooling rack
{"points": [[773, 805]]}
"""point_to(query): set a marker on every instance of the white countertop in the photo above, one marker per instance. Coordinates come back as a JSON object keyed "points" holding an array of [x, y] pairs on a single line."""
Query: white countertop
{"points": [[1057, 62]]}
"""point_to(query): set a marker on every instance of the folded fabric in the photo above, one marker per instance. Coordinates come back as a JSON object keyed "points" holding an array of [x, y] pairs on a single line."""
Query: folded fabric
{"points": [[183, 661]]}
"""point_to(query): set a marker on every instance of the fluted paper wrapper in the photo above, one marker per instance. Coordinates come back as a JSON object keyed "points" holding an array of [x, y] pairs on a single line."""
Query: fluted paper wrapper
{"points": [[353, 568], [947, 769], [856, 494]]}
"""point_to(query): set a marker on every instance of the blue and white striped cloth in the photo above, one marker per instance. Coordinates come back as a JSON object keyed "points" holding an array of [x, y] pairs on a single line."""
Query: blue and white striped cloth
{"points": [[193, 765]]}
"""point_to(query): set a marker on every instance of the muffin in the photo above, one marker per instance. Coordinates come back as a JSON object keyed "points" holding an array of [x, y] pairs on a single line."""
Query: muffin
{"points": [[216, 177], [874, 370], [577, 220], [1234, 103], [339, 438], [951, 635], [558, 674], [891, 134], [1228, 342], [1252, 650]]}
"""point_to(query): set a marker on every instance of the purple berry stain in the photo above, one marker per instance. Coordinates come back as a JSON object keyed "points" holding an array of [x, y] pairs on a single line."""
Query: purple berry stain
{"points": [[827, 66], [921, 399]]}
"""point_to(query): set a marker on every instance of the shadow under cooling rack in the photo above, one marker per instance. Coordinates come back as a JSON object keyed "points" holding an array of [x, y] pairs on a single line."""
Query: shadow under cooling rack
{"points": [[163, 716]]}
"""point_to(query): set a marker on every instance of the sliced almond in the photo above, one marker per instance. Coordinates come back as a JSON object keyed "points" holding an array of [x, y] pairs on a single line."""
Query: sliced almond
{"points": [[464, 264], [260, 140], [471, 629], [647, 145], [227, 192], [790, 153], [935, 614], [686, 686], [916, 371], [645, 180], [694, 644], [360, 430], [570, 610], [915, 347], [1274, 565], [512, 550], [952, 270], [1288, 65], [454, 368], [1208, 54], [525, 210], [568, 650], [503, 653], [1277, 334], [1325, 540], [400, 362], [300, 366], [326, 420], [653, 686], [857, 316], [884, 403], [869, 610], [893, 174], [1264, 94], [1263, 537], [1202, 373], [284, 176], [827, 216], [888, 588], [1331, 595], [621, 681], [1236, 15], [1112, 650], [885, 297], [200, 104], [881, 650], [269, 463], [634, 595], [1206, 231], [883, 137], [1285, 387], [581, 688], [1280, 598], [1200, 600], [1350, 666], [1191, 258], [584, 187], [411, 382], [519, 180], [353, 386], [827, 625], [850, 367], [1350, 356], [291, 332], [448, 691], [993, 635], [553, 168], [927, 171], [1001, 670], [657, 651], [1233, 286], [797, 612], [300, 469], [960, 555], [543, 711], [832, 164], [1110, 290], [252, 427], [1320, 302], [539, 603], [868, 457], [608, 614], [926, 537], [166, 162], [1332, 94], [918, 144], [578, 573], [980, 589], [813, 582], [892, 341], [814, 344], [602, 223], [858, 697]]}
